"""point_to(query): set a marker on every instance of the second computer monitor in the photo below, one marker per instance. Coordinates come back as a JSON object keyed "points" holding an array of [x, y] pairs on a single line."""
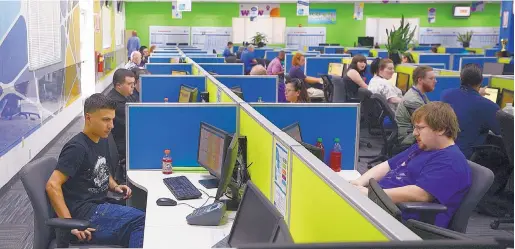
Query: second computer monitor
{"points": [[231, 155], [294, 131], [335, 69], [188, 94], [506, 97], [402, 82], [212, 148], [493, 94]]}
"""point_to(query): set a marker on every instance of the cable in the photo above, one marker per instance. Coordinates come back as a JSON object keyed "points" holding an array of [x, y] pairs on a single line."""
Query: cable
{"points": [[182, 203], [206, 193]]}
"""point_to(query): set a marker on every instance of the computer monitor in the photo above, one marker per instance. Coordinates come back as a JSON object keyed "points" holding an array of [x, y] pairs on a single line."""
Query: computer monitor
{"points": [[294, 131], [236, 88], [335, 69], [256, 221], [493, 68], [229, 162], [506, 97], [314, 150], [410, 244], [365, 41], [212, 148], [379, 197], [282, 235], [179, 72], [493, 94], [174, 60], [402, 82], [188, 94], [507, 69]]}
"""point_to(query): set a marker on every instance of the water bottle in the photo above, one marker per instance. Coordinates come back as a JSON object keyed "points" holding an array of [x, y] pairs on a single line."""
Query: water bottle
{"points": [[167, 163], [508, 108], [166, 100], [335, 162], [320, 145], [260, 100]]}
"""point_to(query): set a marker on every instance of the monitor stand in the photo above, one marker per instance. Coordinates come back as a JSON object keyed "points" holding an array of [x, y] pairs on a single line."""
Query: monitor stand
{"points": [[209, 183], [234, 203]]}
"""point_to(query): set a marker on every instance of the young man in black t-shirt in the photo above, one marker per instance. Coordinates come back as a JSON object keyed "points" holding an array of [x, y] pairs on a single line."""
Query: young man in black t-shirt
{"points": [[78, 186]]}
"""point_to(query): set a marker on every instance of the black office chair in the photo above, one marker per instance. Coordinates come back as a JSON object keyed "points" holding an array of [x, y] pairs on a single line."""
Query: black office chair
{"points": [[328, 88], [506, 124], [214, 51], [365, 102], [231, 59], [49, 232]]}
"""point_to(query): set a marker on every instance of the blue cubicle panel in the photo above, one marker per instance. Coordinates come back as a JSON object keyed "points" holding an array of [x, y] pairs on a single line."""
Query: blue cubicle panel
{"points": [[208, 59], [344, 125], [188, 52], [150, 132], [316, 48], [448, 82], [155, 88], [433, 65], [435, 58], [287, 61], [223, 68], [202, 55], [270, 55], [362, 51], [456, 50], [422, 48], [260, 52], [333, 50], [162, 59], [167, 68], [253, 86], [490, 52], [316, 66], [163, 51], [382, 54], [455, 58], [334, 55], [480, 61]]}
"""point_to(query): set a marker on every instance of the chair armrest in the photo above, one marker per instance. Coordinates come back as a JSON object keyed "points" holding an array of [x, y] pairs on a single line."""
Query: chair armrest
{"points": [[70, 224], [486, 147], [431, 232], [427, 210]]}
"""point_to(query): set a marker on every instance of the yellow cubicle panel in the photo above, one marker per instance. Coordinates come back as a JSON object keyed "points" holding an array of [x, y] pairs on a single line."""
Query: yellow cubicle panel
{"points": [[476, 50], [346, 61], [259, 148], [319, 214], [416, 56], [373, 53], [504, 60], [440, 50], [407, 70], [212, 89], [503, 82], [448, 73], [194, 69]]}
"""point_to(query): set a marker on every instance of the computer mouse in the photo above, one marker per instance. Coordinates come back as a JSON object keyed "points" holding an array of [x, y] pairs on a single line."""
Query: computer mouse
{"points": [[166, 202]]}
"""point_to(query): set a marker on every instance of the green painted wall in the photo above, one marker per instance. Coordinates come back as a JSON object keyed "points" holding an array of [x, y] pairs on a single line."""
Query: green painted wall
{"points": [[141, 15]]}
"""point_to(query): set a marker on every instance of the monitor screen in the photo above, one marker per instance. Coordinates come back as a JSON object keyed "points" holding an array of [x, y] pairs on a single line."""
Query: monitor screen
{"points": [[314, 150], [212, 148], [335, 69], [184, 95], [293, 131], [461, 11], [256, 221], [228, 165], [365, 41], [493, 68], [402, 81], [174, 60], [175, 72], [506, 97], [492, 94]]}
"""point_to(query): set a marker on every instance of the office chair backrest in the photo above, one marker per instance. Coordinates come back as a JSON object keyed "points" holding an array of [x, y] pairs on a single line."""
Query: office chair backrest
{"points": [[482, 179], [506, 123], [328, 88], [34, 177], [231, 59], [380, 110], [339, 93]]}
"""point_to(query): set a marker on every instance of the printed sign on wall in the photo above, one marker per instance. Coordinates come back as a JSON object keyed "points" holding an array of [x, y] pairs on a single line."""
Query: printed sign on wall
{"points": [[265, 10], [176, 14], [431, 15], [303, 8], [322, 16]]}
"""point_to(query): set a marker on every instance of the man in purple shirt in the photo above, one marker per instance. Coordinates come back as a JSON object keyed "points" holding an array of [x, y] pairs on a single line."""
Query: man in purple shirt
{"points": [[275, 67], [432, 170]]}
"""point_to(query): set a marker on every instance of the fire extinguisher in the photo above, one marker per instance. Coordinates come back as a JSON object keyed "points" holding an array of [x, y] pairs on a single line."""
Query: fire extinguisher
{"points": [[100, 62]]}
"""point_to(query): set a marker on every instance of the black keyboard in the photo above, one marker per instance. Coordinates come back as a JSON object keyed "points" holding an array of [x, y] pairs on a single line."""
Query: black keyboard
{"points": [[182, 188]]}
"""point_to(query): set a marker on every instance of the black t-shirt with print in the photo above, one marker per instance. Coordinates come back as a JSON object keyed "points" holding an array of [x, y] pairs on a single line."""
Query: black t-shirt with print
{"points": [[86, 164]]}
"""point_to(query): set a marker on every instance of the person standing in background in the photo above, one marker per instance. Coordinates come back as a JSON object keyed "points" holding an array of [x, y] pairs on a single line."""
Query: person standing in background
{"points": [[133, 44]]}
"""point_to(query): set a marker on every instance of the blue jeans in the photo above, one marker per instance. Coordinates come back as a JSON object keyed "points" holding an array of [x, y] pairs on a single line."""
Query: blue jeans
{"points": [[118, 225]]}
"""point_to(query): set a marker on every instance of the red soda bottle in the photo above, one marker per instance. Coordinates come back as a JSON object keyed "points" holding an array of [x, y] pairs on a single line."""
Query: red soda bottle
{"points": [[320, 145], [336, 156], [167, 163]]}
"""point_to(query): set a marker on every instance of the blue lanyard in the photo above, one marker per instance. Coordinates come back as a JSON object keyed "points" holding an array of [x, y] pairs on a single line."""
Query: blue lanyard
{"points": [[420, 94]]}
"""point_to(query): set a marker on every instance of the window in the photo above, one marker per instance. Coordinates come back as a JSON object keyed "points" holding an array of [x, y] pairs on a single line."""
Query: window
{"points": [[44, 33], [106, 27]]}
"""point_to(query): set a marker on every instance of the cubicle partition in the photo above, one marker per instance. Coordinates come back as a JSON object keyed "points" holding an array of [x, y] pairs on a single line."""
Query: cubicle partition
{"points": [[345, 125], [456, 58], [164, 59], [210, 59], [213, 87], [407, 69], [253, 87], [260, 52], [197, 55], [455, 50], [480, 61], [334, 55], [333, 50], [289, 57], [167, 68], [362, 51], [490, 52], [444, 83], [502, 82], [155, 127], [155, 88], [196, 52], [433, 65], [223, 68], [270, 55], [381, 53], [434, 58], [315, 66]]}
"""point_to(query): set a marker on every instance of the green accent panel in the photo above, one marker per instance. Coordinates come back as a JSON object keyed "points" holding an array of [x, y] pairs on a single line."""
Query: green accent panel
{"points": [[140, 15]]}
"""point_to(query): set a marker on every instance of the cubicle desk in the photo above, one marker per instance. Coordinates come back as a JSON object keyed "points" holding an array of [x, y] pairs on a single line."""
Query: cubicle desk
{"points": [[349, 175], [166, 226]]}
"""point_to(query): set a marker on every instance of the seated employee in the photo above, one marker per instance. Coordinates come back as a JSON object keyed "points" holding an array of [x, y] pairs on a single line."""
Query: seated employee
{"points": [[407, 58], [476, 114], [258, 70], [248, 58], [78, 186], [227, 50], [383, 70], [295, 92], [275, 67], [137, 83], [123, 87], [143, 50], [353, 76], [424, 80], [433, 170], [135, 60]]}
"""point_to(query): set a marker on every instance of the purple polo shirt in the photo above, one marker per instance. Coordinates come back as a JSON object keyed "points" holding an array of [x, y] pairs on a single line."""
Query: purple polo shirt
{"points": [[445, 174], [274, 67]]}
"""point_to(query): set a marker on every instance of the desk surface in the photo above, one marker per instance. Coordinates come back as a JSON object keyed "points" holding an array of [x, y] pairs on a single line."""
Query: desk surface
{"points": [[349, 174], [166, 227]]}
